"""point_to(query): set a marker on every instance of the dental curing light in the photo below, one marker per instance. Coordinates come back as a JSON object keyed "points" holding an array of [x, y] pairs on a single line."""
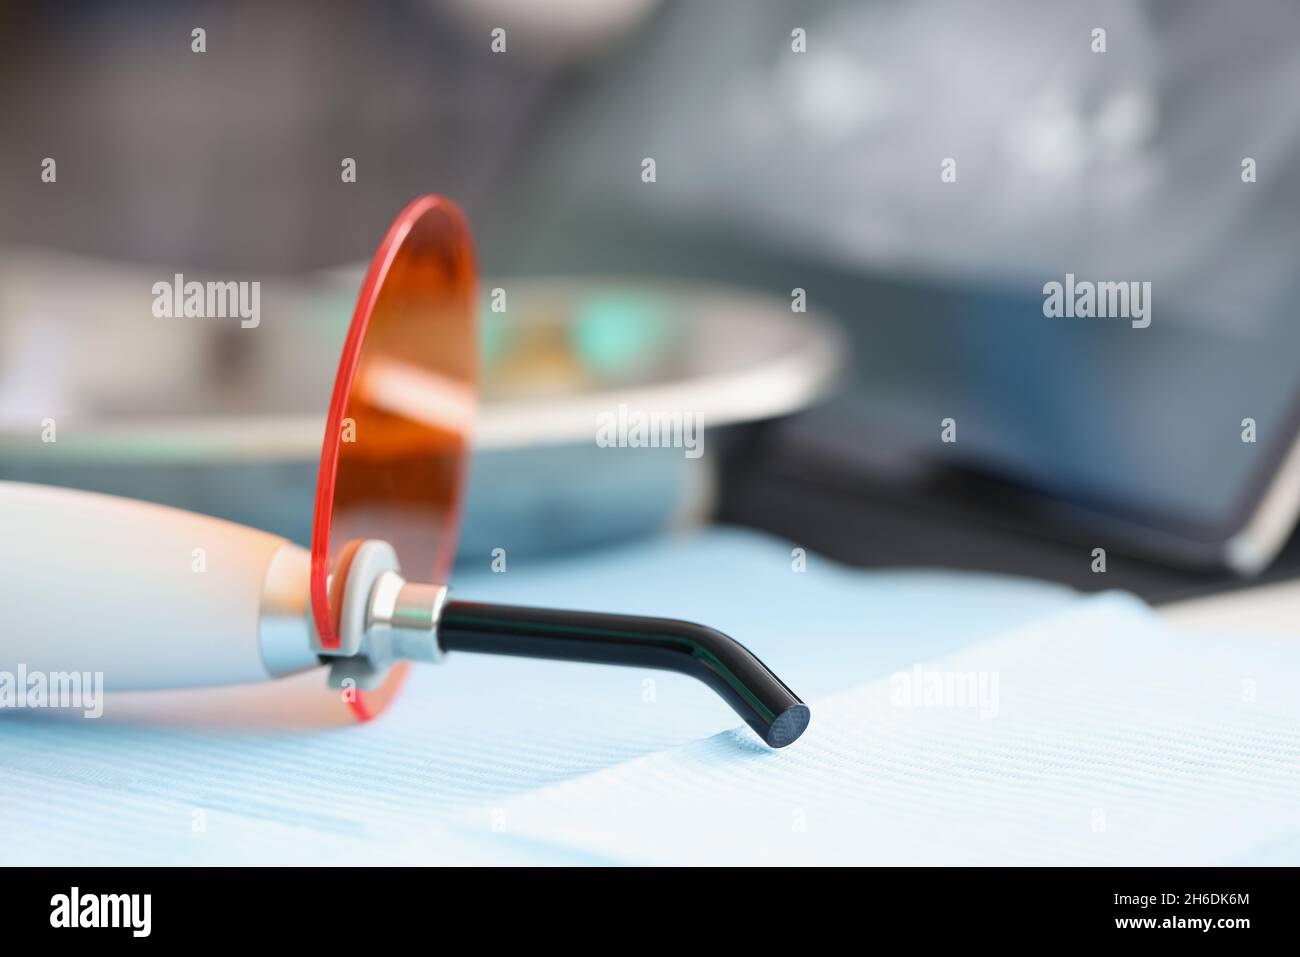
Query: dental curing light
{"points": [[155, 597]]}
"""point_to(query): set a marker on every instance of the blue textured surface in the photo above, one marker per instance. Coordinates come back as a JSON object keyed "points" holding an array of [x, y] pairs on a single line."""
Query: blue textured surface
{"points": [[1113, 739], [196, 777]]}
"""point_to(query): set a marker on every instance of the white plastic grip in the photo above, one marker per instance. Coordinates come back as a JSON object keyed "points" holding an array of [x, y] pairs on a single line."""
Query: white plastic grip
{"points": [[152, 597]]}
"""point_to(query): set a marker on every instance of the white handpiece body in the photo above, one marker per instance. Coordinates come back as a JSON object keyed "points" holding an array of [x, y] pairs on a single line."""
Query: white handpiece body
{"points": [[152, 597]]}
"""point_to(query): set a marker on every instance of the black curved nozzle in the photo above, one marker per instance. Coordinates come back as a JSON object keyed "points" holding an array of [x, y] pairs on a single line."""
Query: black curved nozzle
{"points": [[774, 711]]}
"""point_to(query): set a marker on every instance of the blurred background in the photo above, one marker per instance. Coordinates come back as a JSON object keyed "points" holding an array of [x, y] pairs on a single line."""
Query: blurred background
{"points": [[784, 161]]}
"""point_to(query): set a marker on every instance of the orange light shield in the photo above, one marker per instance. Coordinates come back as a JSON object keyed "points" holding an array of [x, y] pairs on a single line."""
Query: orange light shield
{"points": [[397, 436]]}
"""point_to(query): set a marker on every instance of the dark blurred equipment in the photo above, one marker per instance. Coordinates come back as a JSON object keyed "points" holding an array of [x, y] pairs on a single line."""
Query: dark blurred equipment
{"points": [[951, 522], [1135, 163], [1129, 440]]}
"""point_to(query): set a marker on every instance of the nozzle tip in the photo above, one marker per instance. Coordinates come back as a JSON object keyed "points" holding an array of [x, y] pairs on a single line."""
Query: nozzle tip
{"points": [[789, 724]]}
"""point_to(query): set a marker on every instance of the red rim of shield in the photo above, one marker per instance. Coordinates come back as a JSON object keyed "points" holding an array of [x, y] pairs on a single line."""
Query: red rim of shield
{"points": [[397, 436]]}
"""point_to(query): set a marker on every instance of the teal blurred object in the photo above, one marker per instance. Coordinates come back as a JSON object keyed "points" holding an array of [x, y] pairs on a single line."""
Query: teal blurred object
{"points": [[618, 332], [493, 336]]}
